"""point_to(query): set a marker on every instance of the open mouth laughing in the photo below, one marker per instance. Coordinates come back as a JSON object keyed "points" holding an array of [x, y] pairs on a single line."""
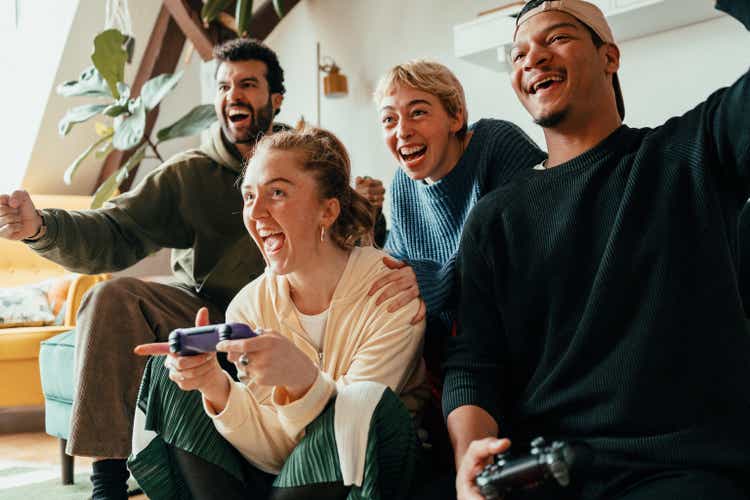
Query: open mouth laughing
{"points": [[273, 240], [239, 115], [543, 83], [412, 153]]}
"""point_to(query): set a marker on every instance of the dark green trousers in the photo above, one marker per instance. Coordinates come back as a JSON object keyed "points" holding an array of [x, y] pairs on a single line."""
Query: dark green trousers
{"points": [[178, 419]]}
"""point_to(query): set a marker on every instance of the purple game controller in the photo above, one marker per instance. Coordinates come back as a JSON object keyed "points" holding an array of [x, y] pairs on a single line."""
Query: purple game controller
{"points": [[192, 341]]}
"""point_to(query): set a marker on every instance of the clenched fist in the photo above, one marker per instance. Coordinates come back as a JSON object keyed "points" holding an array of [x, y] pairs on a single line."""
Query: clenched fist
{"points": [[18, 216]]}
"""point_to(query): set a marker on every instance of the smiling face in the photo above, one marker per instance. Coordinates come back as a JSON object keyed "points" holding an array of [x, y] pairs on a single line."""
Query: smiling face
{"points": [[243, 103], [283, 210], [420, 133], [559, 75]]}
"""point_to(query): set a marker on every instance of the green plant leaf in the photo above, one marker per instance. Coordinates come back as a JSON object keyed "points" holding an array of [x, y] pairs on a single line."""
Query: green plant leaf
{"points": [[129, 131], [71, 170], [134, 160], [104, 150], [196, 120], [243, 14], [155, 89], [77, 115], [115, 110], [105, 191], [110, 57], [89, 84], [124, 90], [102, 129], [109, 186], [130, 47], [121, 105], [211, 9], [277, 8]]}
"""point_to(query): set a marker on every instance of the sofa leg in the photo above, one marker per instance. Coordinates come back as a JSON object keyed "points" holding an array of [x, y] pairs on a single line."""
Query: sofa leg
{"points": [[67, 463]]}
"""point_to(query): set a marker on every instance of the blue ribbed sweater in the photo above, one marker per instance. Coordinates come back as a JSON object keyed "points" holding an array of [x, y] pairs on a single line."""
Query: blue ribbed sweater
{"points": [[426, 219]]}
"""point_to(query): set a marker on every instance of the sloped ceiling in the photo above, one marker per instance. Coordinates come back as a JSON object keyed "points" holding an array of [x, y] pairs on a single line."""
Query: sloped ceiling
{"points": [[32, 41]]}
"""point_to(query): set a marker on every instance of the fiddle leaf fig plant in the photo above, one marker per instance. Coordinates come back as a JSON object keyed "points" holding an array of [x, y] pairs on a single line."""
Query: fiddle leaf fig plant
{"points": [[105, 81], [243, 13]]}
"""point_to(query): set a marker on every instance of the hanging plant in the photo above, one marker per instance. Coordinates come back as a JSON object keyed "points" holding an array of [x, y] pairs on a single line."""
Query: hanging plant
{"points": [[128, 114], [243, 12], [243, 15]]}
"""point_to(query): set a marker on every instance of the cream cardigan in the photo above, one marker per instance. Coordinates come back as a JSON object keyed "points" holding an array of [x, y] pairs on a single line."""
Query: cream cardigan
{"points": [[363, 342]]}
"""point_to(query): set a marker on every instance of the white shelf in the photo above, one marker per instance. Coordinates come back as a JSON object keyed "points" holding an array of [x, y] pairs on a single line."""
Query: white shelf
{"points": [[485, 40]]}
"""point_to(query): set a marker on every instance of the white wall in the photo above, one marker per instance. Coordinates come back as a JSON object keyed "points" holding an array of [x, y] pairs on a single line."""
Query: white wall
{"points": [[32, 40], [53, 153], [670, 73], [662, 75]]}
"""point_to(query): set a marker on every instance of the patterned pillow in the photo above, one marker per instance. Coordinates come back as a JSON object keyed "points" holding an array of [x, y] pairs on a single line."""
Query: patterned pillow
{"points": [[24, 306]]}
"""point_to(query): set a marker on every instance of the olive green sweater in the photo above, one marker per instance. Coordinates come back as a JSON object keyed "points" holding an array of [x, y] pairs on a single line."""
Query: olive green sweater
{"points": [[190, 204]]}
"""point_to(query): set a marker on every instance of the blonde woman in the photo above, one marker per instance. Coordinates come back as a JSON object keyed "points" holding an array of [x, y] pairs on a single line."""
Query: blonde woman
{"points": [[316, 412], [446, 166]]}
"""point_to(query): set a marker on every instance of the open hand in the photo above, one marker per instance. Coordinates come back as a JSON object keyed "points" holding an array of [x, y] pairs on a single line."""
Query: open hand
{"points": [[401, 282], [371, 189], [479, 454]]}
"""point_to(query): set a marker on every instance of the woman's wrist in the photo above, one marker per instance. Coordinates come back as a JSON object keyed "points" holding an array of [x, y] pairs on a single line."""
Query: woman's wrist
{"points": [[297, 391], [216, 392]]}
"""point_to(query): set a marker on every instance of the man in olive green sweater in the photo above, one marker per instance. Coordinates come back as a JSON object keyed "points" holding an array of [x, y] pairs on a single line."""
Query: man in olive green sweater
{"points": [[190, 204]]}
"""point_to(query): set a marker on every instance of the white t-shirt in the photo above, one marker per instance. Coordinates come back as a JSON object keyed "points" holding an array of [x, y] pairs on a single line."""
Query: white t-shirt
{"points": [[314, 326]]}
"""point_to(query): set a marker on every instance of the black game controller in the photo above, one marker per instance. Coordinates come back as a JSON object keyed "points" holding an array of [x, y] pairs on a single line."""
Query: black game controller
{"points": [[192, 341], [544, 463]]}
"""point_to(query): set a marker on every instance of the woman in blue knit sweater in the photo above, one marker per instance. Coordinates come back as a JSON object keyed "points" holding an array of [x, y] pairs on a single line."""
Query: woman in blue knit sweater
{"points": [[446, 166]]}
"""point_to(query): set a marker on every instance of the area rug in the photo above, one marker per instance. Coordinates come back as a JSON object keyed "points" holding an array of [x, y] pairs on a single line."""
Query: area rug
{"points": [[32, 480]]}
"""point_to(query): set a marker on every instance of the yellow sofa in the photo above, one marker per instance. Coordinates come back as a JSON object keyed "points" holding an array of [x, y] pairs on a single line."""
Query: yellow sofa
{"points": [[19, 347]]}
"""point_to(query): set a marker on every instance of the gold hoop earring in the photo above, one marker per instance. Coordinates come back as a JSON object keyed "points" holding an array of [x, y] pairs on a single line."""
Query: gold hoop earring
{"points": [[322, 232]]}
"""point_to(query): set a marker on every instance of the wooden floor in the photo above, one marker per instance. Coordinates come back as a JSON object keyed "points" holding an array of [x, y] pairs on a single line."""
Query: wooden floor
{"points": [[42, 448]]}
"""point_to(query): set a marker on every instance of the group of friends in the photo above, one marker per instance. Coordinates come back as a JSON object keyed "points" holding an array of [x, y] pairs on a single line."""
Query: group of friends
{"points": [[587, 294]]}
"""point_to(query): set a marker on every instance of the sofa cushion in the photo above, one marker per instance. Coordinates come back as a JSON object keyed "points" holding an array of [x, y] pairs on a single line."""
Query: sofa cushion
{"points": [[25, 306], [56, 369]]}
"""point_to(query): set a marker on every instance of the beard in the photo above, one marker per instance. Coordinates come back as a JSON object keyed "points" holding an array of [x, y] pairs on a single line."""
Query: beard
{"points": [[551, 120], [260, 122]]}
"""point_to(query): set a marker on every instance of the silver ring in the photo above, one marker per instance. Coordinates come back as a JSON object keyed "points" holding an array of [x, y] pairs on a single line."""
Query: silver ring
{"points": [[243, 359]]}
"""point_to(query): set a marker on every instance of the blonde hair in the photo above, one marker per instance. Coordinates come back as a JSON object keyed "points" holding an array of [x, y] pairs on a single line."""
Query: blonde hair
{"points": [[325, 156], [433, 78]]}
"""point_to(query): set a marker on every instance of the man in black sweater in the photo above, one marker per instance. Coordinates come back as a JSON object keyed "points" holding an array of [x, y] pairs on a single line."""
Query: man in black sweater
{"points": [[598, 293]]}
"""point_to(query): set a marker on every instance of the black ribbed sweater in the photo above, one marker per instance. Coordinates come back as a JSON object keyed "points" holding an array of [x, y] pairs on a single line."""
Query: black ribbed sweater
{"points": [[599, 299]]}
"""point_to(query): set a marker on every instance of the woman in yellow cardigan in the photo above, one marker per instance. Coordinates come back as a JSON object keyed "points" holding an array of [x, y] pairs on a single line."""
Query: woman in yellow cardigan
{"points": [[315, 411]]}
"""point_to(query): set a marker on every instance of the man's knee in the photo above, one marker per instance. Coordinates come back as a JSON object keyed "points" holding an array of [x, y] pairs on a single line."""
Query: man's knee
{"points": [[112, 317], [113, 293], [114, 289]]}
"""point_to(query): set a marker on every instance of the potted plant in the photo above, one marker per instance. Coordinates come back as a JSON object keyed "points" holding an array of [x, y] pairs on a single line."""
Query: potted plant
{"points": [[105, 80]]}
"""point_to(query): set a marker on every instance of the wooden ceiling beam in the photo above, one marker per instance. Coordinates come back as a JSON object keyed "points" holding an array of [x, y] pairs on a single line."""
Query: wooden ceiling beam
{"points": [[187, 16]]}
